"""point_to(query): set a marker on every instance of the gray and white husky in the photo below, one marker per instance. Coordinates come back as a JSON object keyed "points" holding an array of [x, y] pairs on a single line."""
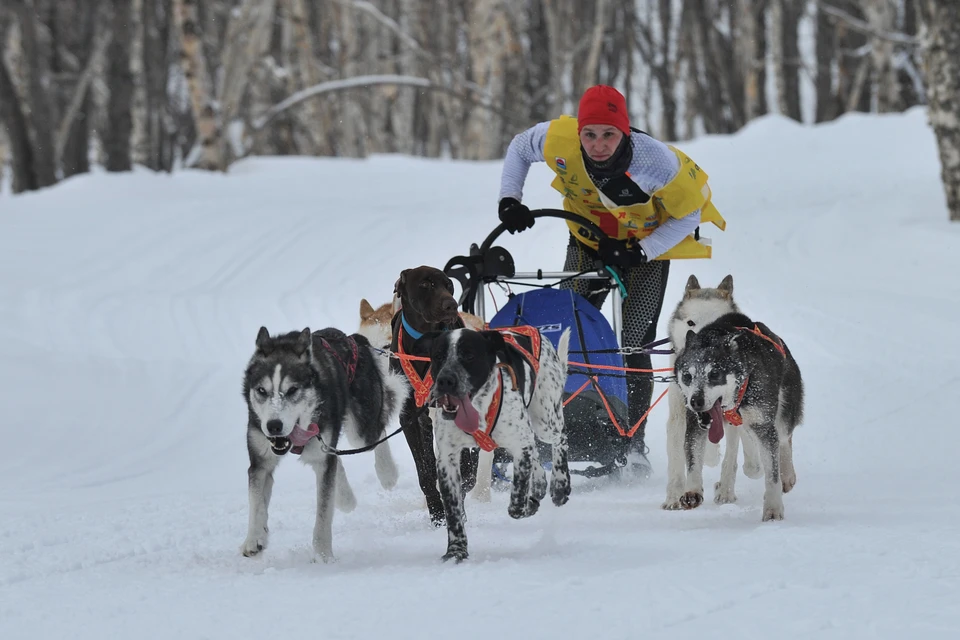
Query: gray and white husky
{"points": [[699, 307], [737, 375], [302, 386]]}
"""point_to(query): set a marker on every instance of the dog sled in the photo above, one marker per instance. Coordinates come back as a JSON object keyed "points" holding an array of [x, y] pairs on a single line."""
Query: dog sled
{"points": [[595, 395]]}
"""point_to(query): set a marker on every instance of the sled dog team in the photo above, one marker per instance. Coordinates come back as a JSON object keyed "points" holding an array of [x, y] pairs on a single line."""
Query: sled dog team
{"points": [[458, 388]]}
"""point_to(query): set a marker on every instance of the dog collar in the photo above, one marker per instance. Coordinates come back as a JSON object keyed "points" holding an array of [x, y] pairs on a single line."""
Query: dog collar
{"points": [[413, 333]]}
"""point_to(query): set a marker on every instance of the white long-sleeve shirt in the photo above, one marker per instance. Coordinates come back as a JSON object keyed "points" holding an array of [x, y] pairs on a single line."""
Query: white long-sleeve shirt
{"points": [[652, 167]]}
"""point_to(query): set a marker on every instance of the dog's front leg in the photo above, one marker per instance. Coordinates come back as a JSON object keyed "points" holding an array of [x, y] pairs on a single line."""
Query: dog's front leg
{"points": [[425, 461], [676, 434], [723, 491], [769, 449], [259, 489], [448, 474], [326, 470], [694, 443], [523, 503]]}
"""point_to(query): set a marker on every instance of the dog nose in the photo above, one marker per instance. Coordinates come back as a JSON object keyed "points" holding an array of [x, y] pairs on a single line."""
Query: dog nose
{"points": [[446, 383], [274, 427], [696, 402], [449, 305]]}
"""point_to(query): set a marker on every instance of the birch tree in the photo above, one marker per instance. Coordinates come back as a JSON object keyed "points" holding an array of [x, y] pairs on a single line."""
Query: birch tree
{"points": [[942, 70]]}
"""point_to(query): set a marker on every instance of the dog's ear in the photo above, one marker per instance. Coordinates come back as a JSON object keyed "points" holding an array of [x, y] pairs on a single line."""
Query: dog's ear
{"points": [[366, 309], [732, 341], [692, 285], [496, 342], [304, 347], [400, 284], [263, 340], [726, 285], [690, 339]]}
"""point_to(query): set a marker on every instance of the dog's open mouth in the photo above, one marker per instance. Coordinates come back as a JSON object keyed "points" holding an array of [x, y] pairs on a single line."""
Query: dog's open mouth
{"points": [[715, 434], [461, 411], [297, 438], [280, 445]]}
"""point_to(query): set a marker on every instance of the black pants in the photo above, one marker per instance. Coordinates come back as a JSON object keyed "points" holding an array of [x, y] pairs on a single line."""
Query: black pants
{"points": [[646, 285]]}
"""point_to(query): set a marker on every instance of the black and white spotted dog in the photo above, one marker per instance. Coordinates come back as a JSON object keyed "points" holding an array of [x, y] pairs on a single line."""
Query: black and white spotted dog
{"points": [[493, 389]]}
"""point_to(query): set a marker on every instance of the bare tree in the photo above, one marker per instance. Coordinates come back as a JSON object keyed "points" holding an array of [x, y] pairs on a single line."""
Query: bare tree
{"points": [[784, 23], [116, 136], [199, 83], [942, 70]]}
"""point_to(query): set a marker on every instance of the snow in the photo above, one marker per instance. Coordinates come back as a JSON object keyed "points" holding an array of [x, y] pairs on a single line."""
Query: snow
{"points": [[129, 305]]}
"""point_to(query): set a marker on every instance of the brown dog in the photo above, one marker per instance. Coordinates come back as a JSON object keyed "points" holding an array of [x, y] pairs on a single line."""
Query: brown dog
{"points": [[426, 304]]}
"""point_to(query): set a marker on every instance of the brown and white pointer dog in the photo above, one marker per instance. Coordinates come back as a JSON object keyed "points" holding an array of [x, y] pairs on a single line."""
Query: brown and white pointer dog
{"points": [[426, 304]]}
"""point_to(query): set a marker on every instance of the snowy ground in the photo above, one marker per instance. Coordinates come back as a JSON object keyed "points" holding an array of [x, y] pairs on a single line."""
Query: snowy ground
{"points": [[129, 305]]}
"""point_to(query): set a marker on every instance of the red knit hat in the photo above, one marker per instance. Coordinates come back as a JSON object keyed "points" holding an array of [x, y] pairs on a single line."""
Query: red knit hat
{"points": [[602, 104]]}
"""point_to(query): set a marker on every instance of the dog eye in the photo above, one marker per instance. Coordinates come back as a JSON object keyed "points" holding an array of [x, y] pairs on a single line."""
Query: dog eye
{"points": [[426, 284], [714, 376], [292, 391], [467, 356], [261, 392], [686, 378], [691, 323]]}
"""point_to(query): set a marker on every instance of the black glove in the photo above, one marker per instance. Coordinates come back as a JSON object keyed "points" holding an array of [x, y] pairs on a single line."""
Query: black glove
{"points": [[515, 216], [621, 253]]}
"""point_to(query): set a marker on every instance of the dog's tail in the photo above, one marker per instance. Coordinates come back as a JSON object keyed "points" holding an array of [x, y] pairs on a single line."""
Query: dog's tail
{"points": [[563, 349]]}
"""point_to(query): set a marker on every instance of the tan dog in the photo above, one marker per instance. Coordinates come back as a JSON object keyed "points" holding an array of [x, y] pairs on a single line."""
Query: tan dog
{"points": [[375, 323]]}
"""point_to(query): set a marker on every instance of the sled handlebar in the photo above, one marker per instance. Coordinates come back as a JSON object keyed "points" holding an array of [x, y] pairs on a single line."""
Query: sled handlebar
{"points": [[544, 213]]}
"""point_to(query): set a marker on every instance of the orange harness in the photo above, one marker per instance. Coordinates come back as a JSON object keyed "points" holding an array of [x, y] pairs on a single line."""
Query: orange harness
{"points": [[732, 415], [532, 356], [421, 386]]}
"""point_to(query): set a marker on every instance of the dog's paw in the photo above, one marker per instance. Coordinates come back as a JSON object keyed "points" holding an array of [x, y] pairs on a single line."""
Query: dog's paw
{"points": [[722, 495], [525, 510], [671, 504], [691, 500], [539, 487], [326, 557], [772, 513], [560, 492], [752, 469], [253, 545], [457, 554], [788, 481]]}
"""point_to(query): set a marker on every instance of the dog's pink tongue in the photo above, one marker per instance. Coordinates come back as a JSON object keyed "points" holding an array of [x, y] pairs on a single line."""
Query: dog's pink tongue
{"points": [[300, 438], [468, 419], [716, 423]]}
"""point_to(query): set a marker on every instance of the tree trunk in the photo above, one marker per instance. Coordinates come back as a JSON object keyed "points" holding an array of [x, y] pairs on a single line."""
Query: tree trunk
{"points": [[199, 85], [826, 52], [784, 23], [750, 59], [881, 15], [248, 37], [139, 141], [116, 136], [42, 120], [942, 71], [156, 43], [15, 125], [315, 117]]}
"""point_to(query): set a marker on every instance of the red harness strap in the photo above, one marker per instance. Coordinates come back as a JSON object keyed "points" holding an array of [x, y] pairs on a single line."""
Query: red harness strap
{"points": [[732, 415], [482, 436], [421, 386], [756, 331]]}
